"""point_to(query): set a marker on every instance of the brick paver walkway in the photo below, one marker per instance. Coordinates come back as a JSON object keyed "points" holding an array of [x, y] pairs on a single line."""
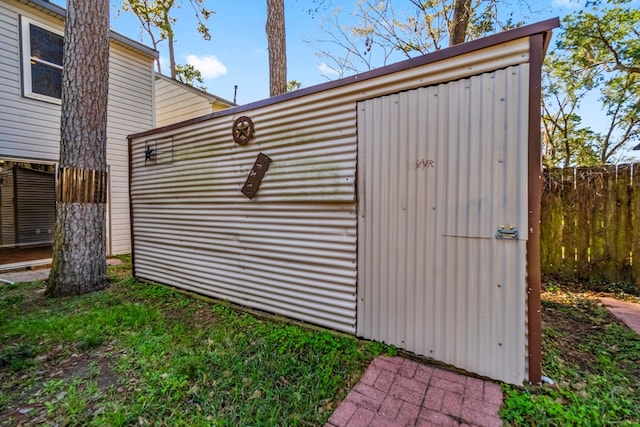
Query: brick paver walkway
{"points": [[628, 312], [400, 392]]}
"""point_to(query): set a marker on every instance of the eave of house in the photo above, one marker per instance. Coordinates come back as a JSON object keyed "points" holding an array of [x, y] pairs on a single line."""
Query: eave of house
{"points": [[214, 99]]}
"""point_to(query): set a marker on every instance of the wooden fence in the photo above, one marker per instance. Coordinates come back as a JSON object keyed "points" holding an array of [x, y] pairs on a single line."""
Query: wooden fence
{"points": [[591, 224]]}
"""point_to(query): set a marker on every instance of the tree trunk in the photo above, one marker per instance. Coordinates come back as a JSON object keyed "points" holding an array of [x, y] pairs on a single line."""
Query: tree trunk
{"points": [[172, 56], [79, 252], [277, 47], [458, 30]]}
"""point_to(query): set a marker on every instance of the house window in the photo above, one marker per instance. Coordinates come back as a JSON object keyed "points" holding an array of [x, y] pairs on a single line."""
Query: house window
{"points": [[41, 61]]}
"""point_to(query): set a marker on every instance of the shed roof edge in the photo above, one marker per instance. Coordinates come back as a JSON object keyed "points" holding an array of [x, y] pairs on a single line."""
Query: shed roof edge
{"points": [[543, 27]]}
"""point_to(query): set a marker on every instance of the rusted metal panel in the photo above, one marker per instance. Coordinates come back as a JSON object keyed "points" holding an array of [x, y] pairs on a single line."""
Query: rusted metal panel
{"points": [[440, 170], [252, 184]]}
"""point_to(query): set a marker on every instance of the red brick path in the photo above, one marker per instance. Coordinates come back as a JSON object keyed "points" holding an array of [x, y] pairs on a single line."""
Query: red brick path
{"points": [[628, 312], [400, 392]]}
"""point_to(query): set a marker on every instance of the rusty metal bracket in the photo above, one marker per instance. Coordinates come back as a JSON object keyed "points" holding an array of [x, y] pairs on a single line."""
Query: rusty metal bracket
{"points": [[76, 185], [252, 184]]}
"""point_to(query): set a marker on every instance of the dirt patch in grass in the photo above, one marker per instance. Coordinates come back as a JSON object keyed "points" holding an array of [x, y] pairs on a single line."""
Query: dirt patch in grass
{"points": [[49, 375], [567, 325]]}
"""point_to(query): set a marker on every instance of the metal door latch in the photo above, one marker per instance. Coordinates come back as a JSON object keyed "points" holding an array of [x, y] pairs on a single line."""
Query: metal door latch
{"points": [[507, 232]]}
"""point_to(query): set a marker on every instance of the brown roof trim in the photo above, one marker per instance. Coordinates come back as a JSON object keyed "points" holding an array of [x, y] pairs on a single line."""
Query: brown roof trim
{"points": [[544, 27]]}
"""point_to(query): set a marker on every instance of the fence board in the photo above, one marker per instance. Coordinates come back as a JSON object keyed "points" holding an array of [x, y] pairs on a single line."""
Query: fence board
{"points": [[597, 244], [610, 225], [635, 223], [585, 182], [551, 219], [590, 227], [625, 237], [569, 214]]}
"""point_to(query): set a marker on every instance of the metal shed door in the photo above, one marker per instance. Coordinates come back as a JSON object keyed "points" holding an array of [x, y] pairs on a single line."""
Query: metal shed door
{"points": [[440, 171]]}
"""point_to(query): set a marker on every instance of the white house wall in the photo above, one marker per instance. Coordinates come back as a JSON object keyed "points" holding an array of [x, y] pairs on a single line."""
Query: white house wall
{"points": [[292, 249], [175, 103], [130, 108], [30, 129], [439, 170]]}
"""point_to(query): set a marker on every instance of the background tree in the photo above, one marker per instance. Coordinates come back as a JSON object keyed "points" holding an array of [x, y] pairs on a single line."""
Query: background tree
{"points": [[565, 140], [385, 28], [277, 47], [458, 27], [293, 85], [597, 55], [189, 75], [157, 21], [79, 253]]}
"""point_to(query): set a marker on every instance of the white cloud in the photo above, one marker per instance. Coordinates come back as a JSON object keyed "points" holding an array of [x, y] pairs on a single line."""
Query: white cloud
{"points": [[209, 66], [326, 70]]}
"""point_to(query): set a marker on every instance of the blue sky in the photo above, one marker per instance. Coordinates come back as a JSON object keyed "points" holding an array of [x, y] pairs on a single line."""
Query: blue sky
{"points": [[237, 52]]}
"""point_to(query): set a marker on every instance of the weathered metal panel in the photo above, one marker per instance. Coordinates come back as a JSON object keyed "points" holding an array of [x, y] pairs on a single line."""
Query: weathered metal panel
{"points": [[292, 249], [440, 170], [289, 250]]}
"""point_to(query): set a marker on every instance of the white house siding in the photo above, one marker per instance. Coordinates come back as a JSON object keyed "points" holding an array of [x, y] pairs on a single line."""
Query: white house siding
{"points": [[437, 176], [30, 129], [291, 250], [130, 109], [175, 103]]}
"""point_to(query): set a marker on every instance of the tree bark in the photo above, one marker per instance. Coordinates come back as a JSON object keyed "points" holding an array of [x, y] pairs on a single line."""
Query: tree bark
{"points": [[458, 30], [277, 47], [172, 56], [79, 251]]}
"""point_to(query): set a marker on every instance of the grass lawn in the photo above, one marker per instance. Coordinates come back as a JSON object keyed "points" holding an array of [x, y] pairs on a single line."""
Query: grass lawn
{"points": [[142, 354], [593, 359], [147, 355]]}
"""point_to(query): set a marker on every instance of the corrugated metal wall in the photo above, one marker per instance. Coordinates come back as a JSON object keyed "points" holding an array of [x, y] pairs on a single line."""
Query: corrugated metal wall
{"points": [[440, 169], [35, 206], [304, 247], [291, 250]]}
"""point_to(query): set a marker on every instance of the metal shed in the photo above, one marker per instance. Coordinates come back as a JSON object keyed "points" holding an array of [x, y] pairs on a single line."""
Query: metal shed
{"points": [[401, 205]]}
